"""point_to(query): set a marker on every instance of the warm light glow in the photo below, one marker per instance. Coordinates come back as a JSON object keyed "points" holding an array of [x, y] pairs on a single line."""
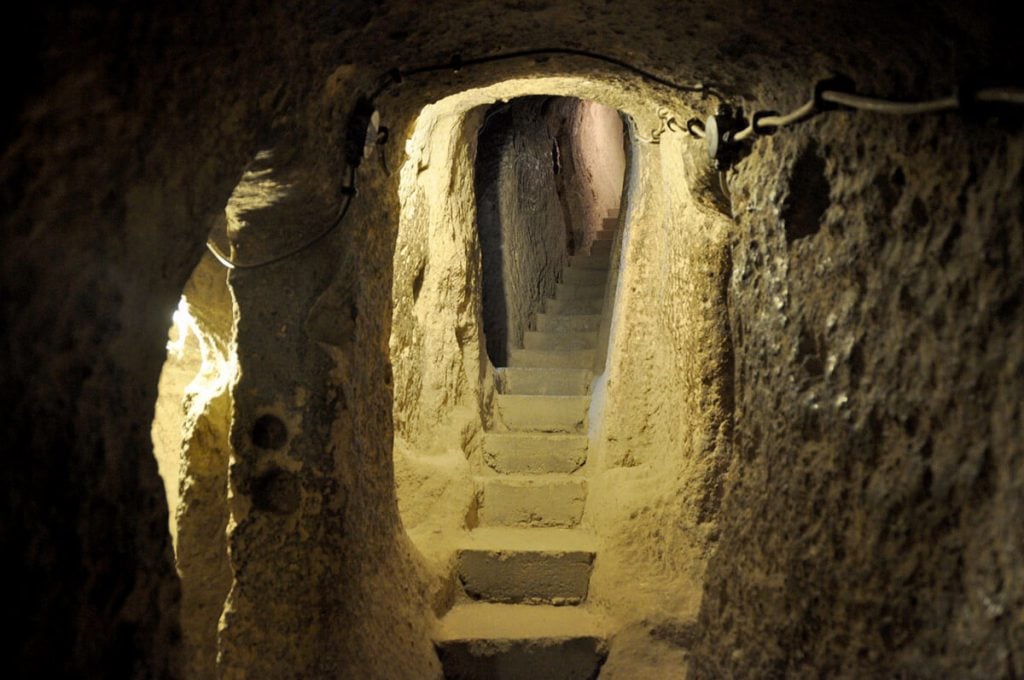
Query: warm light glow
{"points": [[182, 324], [216, 369]]}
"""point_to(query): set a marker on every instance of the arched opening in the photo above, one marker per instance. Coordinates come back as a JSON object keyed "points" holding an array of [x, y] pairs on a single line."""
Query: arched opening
{"points": [[603, 462]]}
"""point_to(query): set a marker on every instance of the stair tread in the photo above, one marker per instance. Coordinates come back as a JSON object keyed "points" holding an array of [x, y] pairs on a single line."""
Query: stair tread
{"points": [[554, 322], [497, 621], [564, 398], [545, 369], [573, 307], [532, 478], [534, 453], [555, 358], [528, 539], [565, 437], [560, 340]]}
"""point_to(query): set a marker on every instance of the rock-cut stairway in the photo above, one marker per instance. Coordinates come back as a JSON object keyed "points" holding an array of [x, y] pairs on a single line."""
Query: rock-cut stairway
{"points": [[525, 567]]}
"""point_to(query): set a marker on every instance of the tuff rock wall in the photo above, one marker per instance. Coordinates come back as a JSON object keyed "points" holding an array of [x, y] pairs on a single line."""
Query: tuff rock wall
{"points": [[520, 220], [590, 156]]}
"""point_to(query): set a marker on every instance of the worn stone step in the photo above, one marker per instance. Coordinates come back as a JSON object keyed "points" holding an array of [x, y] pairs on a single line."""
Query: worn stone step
{"points": [[567, 322], [534, 452], [545, 358], [604, 235], [486, 641], [547, 500], [554, 381], [589, 262], [542, 413], [576, 291], [560, 340], [593, 306], [529, 566], [584, 276], [600, 248]]}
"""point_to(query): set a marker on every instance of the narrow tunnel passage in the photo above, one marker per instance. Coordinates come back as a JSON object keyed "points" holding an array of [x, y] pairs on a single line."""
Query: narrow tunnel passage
{"points": [[547, 230], [524, 481], [548, 171]]}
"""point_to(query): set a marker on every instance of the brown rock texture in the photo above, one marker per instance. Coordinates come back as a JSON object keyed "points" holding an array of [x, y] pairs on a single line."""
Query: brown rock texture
{"points": [[519, 218], [869, 523]]}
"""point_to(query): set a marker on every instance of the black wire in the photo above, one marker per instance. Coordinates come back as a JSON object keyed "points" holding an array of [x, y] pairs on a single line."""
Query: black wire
{"points": [[231, 264], [394, 77]]}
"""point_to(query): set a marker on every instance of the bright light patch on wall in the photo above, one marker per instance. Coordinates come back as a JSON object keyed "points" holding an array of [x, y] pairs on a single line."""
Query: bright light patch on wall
{"points": [[182, 324], [216, 369]]}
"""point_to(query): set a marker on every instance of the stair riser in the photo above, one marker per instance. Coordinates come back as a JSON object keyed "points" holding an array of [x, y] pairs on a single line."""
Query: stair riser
{"points": [[575, 291], [526, 577], [604, 235], [532, 504], [573, 307], [558, 323], [559, 341], [584, 277], [600, 248], [544, 381], [577, 658], [543, 414], [539, 358], [593, 262], [534, 453]]}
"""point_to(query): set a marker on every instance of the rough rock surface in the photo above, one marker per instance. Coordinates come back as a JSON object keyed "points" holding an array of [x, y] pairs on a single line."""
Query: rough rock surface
{"points": [[871, 502], [521, 225], [835, 400]]}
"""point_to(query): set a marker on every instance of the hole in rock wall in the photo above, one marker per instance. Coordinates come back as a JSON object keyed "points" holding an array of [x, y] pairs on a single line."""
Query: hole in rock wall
{"points": [[804, 208], [269, 432], [276, 491]]}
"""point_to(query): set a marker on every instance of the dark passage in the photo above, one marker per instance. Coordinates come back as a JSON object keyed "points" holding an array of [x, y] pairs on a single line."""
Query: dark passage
{"points": [[548, 171]]}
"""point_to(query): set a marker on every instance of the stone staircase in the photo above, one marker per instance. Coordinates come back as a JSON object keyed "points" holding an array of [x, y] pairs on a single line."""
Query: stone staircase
{"points": [[525, 566]]}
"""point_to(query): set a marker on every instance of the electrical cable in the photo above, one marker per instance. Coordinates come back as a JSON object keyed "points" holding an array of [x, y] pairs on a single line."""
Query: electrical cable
{"points": [[350, 191], [878, 105], [1005, 95], [777, 121], [456, 63], [1001, 95]]}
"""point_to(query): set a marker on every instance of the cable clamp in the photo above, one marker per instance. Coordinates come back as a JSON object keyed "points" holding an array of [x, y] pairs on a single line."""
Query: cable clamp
{"points": [[760, 128], [837, 83]]}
